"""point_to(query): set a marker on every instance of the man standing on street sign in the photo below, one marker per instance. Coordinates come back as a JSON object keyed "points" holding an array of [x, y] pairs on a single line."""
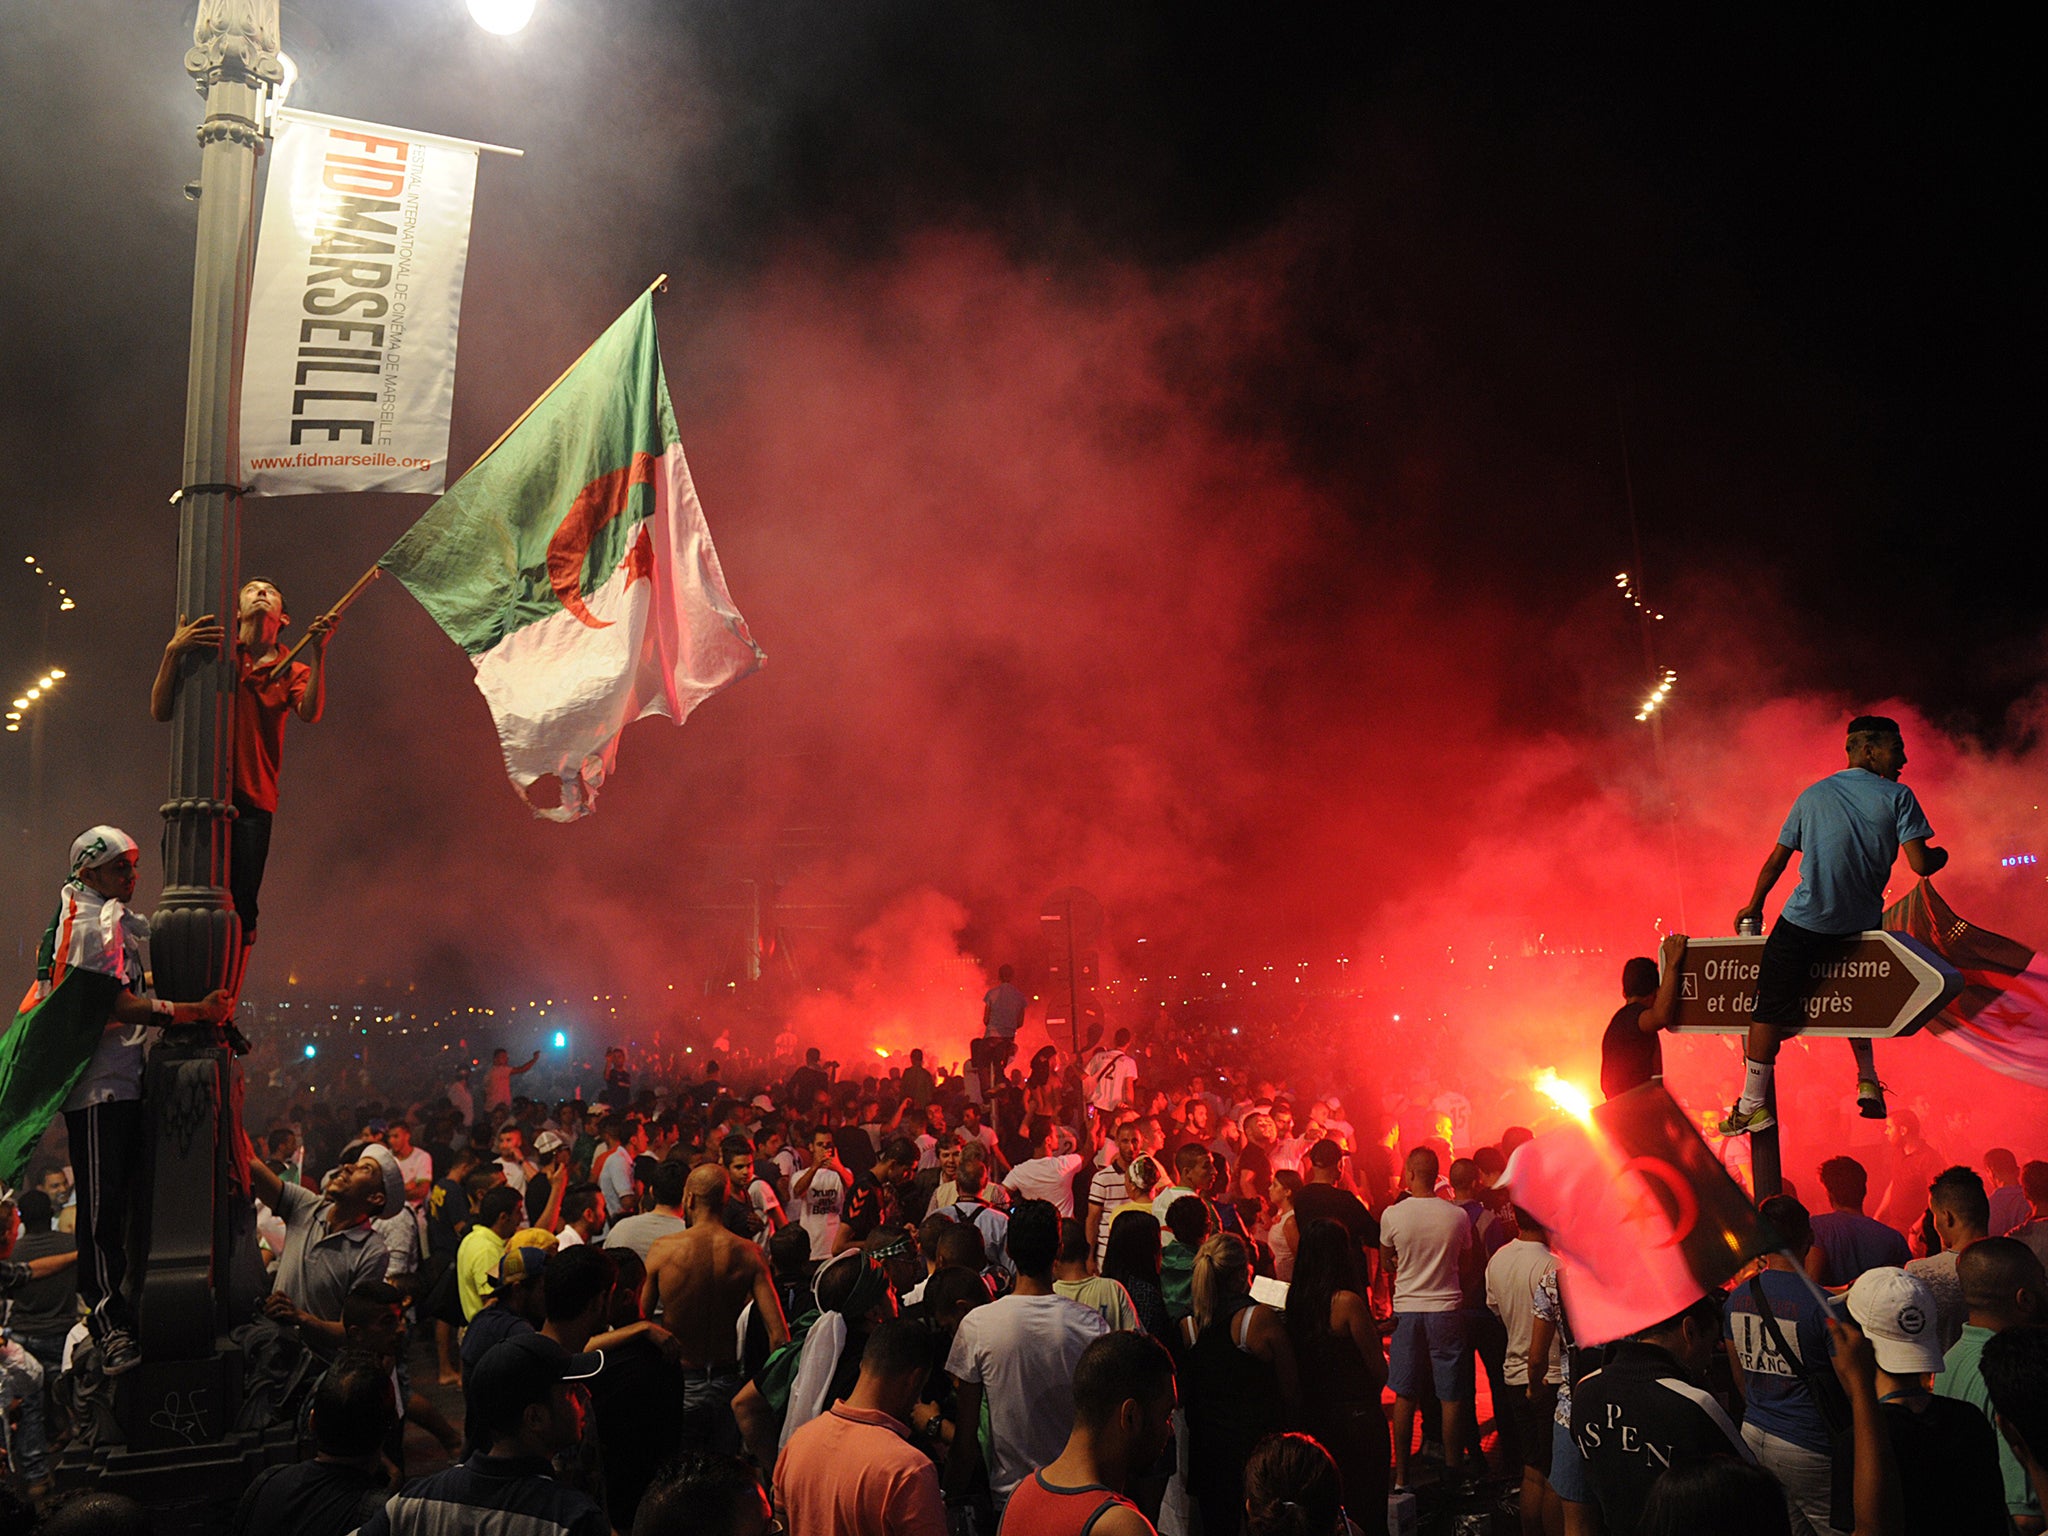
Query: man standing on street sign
{"points": [[1848, 830]]}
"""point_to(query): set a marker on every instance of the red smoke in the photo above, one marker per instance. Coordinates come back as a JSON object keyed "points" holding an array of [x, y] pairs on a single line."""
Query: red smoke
{"points": [[1040, 610]]}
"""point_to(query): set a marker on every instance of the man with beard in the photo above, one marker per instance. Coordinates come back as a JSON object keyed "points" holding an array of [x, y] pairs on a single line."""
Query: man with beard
{"points": [[330, 1245]]}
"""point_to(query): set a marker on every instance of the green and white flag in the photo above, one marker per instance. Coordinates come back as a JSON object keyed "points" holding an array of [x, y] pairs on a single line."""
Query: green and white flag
{"points": [[574, 565]]}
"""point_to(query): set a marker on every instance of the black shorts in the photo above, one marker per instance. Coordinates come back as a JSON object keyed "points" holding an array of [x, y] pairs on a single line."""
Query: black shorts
{"points": [[248, 852], [1784, 978], [1532, 1417]]}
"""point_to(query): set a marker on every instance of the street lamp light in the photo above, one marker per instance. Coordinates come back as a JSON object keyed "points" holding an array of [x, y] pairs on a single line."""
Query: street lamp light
{"points": [[501, 18]]}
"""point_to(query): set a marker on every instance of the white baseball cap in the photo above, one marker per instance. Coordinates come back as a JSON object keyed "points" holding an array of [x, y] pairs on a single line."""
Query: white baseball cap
{"points": [[1897, 1312]]}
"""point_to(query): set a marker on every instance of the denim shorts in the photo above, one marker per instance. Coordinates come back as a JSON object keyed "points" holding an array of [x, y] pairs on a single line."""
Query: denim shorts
{"points": [[1568, 1478], [1431, 1346]]}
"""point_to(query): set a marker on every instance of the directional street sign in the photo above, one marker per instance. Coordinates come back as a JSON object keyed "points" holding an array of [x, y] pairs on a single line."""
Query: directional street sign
{"points": [[1878, 986]]}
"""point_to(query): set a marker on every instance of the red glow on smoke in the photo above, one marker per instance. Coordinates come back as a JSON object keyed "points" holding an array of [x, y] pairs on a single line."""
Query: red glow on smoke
{"points": [[1041, 609]]}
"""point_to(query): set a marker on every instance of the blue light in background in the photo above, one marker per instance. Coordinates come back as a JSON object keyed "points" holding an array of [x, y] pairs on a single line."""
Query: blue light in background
{"points": [[561, 1040], [310, 1051]]}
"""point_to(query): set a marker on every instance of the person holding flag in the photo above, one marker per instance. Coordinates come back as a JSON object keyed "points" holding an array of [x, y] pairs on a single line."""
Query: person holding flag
{"points": [[1848, 830], [269, 686], [77, 1046]]}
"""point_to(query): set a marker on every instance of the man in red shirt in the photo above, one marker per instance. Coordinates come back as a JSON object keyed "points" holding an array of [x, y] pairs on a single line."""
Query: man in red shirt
{"points": [[267, 689]]}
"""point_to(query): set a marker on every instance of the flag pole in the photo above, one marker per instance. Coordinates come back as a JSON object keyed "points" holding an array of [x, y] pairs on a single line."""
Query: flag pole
{"points": [[336, 611], [659, 285]]}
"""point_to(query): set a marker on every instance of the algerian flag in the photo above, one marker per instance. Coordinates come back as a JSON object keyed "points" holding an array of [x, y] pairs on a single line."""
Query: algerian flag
{"points": [[93, 948], [2000, 1019], [1643, 1218], [573, 564]]}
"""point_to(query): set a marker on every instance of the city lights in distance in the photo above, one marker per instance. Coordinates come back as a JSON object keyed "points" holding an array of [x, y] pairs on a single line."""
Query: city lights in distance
{"points": [[311, 1050], [1658, 695], [31, 695]]}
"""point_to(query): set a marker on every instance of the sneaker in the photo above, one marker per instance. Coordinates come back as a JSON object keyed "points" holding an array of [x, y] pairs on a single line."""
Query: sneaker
{"points": [[1740, 1121], [1870, 1099], [118, 1353]]}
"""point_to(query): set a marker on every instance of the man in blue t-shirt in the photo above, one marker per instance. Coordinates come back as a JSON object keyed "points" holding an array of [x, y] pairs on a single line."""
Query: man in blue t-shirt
{"points": [[1848, 830], [1845, 1241], [1782, 1421]]}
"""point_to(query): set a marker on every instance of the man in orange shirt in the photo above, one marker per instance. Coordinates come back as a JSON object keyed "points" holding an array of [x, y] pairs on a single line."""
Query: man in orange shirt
{"points": [[853, 1471], [267, 689]]}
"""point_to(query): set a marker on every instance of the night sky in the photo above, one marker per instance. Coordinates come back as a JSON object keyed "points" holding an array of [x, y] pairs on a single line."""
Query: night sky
{"points": [[1177, 448]]}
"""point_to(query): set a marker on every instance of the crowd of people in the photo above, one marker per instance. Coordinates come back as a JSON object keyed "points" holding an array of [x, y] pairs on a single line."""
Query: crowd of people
{"points": [[1052, 1298], [1088, 1294]]}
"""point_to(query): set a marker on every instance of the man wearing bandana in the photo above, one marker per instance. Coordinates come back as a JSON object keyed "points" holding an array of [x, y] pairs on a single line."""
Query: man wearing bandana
{"points": [[77, 1047]]}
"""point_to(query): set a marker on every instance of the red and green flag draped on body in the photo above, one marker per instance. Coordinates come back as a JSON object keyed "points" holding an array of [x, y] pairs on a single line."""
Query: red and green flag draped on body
{"points": [[574, 566]]}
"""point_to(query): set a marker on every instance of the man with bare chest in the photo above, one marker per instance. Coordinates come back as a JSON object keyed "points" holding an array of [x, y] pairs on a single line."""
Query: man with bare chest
{"points": [[702, 1278]]}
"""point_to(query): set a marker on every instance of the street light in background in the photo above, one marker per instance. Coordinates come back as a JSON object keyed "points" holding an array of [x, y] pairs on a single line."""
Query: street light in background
{"points": [[501, 18]]}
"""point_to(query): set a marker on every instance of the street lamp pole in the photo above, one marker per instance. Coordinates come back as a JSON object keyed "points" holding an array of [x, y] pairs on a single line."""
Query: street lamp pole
{"points": [[199, 1276]]}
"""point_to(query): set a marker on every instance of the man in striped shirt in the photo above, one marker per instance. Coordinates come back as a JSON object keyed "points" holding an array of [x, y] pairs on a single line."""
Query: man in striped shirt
{"points": [[1106, 1189]]}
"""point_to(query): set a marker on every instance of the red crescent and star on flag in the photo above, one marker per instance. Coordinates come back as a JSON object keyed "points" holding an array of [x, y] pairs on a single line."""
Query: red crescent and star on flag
{"points": [[596, 505], [1644, 1210]]}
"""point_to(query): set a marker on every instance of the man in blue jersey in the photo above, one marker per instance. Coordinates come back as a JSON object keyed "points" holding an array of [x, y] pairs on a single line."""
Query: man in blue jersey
{"points": [[1848, 830]]}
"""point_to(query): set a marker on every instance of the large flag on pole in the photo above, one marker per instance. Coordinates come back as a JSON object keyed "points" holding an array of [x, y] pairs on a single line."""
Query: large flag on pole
{"points": [[2000, 1018], [348, 371], [1643, 1218], [574, 565]]}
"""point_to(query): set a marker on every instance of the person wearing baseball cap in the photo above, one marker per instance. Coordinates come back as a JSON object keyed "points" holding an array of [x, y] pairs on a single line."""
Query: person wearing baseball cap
{"points": [[512, 1302], [332, 1243], [1946, 1449], [65, 1050], [523, 1411], [395, 1224]]}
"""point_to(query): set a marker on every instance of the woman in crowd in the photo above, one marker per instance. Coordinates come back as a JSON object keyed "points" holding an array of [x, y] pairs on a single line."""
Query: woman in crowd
{"points": [[1132, 1261], [1343, 1368], [1291, 1488], [1238, 1379], [1282, 1235]]}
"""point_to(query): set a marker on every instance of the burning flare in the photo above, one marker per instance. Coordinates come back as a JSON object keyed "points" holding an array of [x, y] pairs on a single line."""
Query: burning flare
{"points": [[1567, 1096]]}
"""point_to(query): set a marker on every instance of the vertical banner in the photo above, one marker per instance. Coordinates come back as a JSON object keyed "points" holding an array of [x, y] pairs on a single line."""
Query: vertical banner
{"points": [[348, 372]]}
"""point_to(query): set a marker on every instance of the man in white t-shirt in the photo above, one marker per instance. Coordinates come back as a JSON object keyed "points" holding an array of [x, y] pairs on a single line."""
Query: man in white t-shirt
{"points": [[1512, 1276], [1017, 1356], [498, 1079], [1428, 1246], [625, 1138], [414, 1165], [1050, 1175], [1112, 1073], [817, 1195], [1106, 1191], [512, 1158], [971, 1129]]}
